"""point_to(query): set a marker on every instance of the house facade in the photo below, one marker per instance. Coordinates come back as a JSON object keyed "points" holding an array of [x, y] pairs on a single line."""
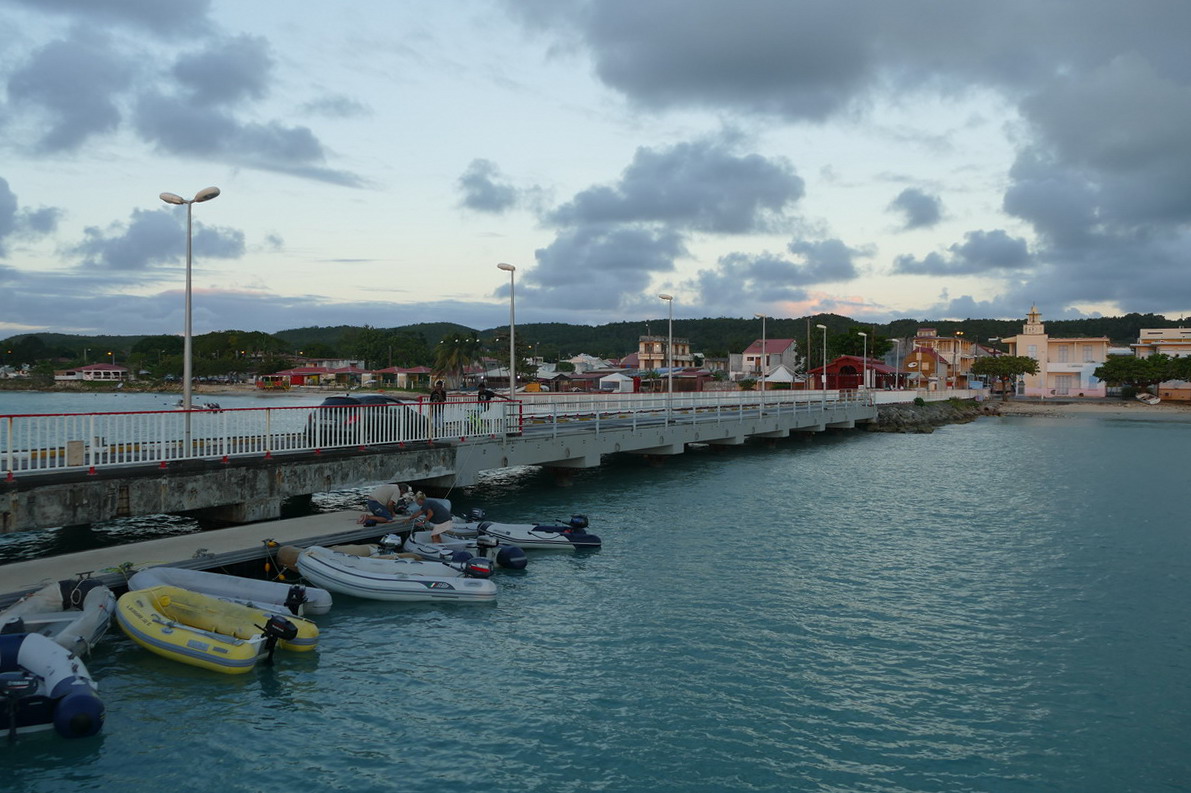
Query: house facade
{"points": [[1175, 342], [652, 353], [1065, 366], [952, 360], [95, 372], [762, 357]]}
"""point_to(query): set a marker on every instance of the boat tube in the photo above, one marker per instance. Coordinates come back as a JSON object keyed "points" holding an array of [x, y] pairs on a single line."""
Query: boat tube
{"points": [[45, 686], [510, 557], [530, 536], [280, 598], [378, 578], [75, 614], [207, 632]]}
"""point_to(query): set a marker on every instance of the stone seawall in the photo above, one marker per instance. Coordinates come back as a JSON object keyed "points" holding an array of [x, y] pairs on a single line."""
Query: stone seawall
{"points": [[924, 418]]}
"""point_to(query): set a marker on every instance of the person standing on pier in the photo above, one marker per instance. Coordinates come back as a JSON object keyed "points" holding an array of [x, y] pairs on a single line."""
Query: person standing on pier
{"points": [[438, 396]]}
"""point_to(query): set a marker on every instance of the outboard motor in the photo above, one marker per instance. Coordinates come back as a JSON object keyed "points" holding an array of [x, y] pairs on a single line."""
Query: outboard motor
{"points": [[475, 515], [75, 592], [277, 628], [15, 686], [577, 523], [475, 567], [509, 557], [460, 556], [295, 599]]}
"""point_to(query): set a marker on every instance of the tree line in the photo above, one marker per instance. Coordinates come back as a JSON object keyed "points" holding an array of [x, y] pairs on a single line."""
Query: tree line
{"points": [[442, 345]]}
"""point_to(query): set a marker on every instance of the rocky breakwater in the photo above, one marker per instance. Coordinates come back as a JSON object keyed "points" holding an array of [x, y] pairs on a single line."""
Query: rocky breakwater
{"points": [[925, 417]]}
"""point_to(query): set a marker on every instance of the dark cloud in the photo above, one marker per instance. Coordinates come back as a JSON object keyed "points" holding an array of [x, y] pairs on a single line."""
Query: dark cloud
{"points": [[918, 209], [981, 252], [17, 223], [485, 189], [153, 238], [227, 71], [78, 88], [756, 280], [73, 86], [594, 268], [700, 186], [182, 128]]}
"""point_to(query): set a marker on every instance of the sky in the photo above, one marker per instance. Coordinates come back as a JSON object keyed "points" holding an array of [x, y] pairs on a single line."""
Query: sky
{"points": [[877, 159]]}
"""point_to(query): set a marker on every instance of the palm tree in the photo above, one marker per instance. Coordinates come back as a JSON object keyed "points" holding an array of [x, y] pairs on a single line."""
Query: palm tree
{"points": [[455, 352]]}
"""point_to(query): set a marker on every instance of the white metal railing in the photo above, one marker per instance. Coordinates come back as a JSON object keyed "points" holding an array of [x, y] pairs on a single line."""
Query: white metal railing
{"points": [[40, 443]]}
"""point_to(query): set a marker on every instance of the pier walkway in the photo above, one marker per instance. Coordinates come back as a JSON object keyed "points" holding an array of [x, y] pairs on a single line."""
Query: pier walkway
{"points": [[239, 465]]}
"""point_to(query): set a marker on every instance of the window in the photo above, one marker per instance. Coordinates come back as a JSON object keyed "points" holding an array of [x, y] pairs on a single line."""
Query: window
{"points": [[1087, 354], [1033, 351], [1064, 352]]}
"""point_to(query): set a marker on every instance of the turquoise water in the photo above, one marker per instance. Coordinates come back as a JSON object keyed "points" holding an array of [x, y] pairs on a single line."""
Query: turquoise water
{"points": [[998, 606]]}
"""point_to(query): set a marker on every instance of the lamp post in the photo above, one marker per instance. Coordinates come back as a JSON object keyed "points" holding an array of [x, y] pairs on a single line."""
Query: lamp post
{"points": [[824, 329], [764, 353], [511, 270], [864, 360], [206, 194], [897, 365], [958, 337], [669, 352]]}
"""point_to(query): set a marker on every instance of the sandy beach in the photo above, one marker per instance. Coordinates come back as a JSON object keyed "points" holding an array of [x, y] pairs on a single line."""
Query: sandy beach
{"points": [[1103, 408]]}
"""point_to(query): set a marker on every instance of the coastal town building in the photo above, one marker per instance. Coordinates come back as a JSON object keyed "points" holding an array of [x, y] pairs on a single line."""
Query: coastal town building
{"points": [[99, 372], [652, 353], [761, 358], [1174, 342], [1066, 366]]}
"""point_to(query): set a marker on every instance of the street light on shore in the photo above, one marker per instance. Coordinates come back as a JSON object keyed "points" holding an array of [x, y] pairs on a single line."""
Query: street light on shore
{"points": [[764, 353], [864, 360], [511, 270], [669, 352], [824, 329], [206, 194], [958, 338]]}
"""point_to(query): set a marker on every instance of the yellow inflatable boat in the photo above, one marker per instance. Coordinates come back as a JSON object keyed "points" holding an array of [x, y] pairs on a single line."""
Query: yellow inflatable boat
{"points": [[207, 632]]}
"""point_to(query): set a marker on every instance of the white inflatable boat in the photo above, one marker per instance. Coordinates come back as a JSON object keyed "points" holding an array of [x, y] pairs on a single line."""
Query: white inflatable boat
{"points": [[75, 614], [45, 686], [271, 595], [510, 557], [378, 578], [531, 536]]}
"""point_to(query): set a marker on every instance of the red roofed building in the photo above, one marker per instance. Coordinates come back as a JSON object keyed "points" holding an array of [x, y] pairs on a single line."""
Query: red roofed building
{"points": [[101, 372]]}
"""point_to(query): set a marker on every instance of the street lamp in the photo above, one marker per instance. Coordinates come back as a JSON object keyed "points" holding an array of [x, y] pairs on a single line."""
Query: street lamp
{"points": [[206, 194], [864, 360], [764, 353], [669, 351], [958, 337], [824, 329], [897, 365], [511, 270]]}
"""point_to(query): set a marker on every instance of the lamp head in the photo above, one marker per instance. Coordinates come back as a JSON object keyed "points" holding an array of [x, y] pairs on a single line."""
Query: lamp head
{"points": [[862, 333], [666, 297], [206, 194], [170, 198], [821, 327], [508, 268]]}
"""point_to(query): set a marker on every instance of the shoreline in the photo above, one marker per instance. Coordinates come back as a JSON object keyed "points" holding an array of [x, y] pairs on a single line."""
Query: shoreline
{"points": [[1101, 408]]}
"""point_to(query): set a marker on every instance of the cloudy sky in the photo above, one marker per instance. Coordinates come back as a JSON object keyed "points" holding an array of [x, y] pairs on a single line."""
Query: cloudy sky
{"points": [[873, 158]]}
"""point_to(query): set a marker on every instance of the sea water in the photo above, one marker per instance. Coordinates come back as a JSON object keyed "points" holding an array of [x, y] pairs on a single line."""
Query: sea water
{"points": [[997, 606]]}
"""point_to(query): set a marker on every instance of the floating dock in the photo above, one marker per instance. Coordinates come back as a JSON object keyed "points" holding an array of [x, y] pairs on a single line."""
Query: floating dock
{"points": [[204, 550]]}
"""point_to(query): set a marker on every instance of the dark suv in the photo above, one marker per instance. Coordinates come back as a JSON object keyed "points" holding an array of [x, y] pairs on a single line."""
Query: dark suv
{"points": [[366, 420]]}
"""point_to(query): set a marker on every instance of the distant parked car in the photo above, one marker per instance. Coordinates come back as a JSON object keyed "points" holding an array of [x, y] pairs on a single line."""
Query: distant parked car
{"points": [[365, 420]]}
